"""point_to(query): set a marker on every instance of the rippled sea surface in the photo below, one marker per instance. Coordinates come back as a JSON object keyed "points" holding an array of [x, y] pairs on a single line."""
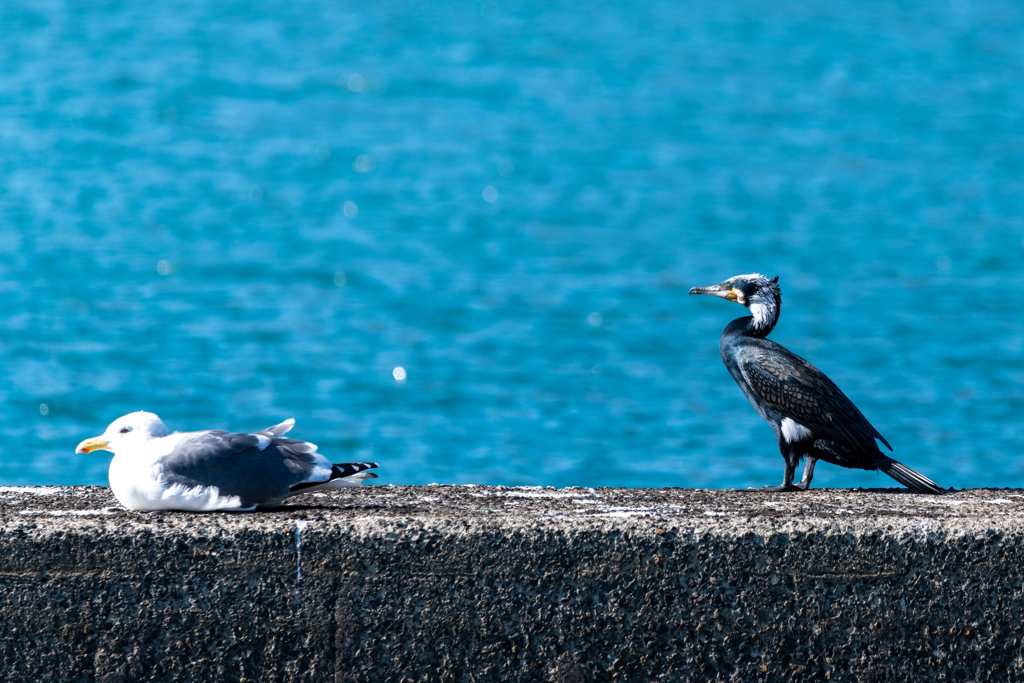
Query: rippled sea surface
{"points": [[232, 213]]}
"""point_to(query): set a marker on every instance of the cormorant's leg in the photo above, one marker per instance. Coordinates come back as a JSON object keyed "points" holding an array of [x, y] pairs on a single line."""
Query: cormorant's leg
{"points": [[805, 483], [787, 476]]}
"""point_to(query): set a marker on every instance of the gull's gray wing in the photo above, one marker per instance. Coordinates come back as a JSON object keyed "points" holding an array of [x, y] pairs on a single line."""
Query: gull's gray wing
{"points": [[277, 430], [235, 464]]}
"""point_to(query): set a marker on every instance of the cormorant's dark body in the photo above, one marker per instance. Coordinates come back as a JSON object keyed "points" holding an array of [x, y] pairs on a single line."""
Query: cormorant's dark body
{"points": [[811, 416]]}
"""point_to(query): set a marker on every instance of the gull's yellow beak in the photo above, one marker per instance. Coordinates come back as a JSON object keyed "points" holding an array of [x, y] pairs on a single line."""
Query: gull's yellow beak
{"points": [[90, 445]]}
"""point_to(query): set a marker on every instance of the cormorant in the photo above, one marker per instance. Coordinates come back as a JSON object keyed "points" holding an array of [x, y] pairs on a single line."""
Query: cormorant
{"points": [[811, 417]]}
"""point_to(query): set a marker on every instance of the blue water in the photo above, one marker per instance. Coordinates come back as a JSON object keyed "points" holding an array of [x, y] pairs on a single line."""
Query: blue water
{"points": [[231, 213]]}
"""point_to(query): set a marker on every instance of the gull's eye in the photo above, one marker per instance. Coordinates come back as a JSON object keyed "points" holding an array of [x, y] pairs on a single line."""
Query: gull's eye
{"points": [[125, 430]]}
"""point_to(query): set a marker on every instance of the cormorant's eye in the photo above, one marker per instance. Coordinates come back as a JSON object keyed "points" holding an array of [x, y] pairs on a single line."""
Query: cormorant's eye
{"points": [[125, 430]]}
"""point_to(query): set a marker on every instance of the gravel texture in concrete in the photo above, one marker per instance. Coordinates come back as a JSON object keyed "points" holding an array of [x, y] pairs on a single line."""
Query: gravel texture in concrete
{"points": [[464, 583]]}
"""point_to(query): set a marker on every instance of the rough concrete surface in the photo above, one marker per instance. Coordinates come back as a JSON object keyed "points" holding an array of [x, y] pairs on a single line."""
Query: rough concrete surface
{"points": [[462, 583]]}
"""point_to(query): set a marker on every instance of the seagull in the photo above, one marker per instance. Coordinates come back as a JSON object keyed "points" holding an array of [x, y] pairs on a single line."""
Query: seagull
{"points": [[154, 469]]}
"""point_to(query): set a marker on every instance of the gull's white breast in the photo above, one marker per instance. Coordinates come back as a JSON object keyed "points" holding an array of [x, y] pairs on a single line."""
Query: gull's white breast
{"points": [[138, 482]]}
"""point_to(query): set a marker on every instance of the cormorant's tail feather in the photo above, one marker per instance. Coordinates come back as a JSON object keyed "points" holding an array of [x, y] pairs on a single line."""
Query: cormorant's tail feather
{"points": [[906, 476]]}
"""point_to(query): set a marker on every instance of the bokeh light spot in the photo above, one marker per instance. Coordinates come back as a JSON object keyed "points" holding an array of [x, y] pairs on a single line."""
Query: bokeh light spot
{"points": [[363, 164]]}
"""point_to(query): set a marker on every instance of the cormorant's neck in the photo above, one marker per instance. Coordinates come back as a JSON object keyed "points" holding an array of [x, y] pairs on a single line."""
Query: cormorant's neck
{"points": [[763, 316], [761, 321]]}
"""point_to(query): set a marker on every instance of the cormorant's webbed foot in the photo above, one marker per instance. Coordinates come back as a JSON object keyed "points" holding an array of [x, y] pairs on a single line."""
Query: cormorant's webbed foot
{"points": [[776, 489], [787, 477]]}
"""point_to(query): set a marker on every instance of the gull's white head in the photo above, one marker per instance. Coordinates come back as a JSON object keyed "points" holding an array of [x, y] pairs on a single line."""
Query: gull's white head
{"points": [[134, 428]]}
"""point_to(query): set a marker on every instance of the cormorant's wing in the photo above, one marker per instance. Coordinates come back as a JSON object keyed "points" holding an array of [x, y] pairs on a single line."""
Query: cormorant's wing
{"points": [[237, 466], [796, 389]]}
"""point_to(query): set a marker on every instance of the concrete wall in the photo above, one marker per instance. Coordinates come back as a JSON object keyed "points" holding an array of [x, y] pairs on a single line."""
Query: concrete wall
{"points": [[491, 584]]}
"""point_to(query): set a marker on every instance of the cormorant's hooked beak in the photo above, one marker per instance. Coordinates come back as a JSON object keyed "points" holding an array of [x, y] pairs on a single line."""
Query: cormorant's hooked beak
{"points": [[90, 445], [721, 291]]}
